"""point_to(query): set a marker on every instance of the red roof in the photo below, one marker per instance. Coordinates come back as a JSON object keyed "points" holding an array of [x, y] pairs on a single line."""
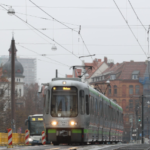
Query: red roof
{"points": [[126, 69], [95, 64]]}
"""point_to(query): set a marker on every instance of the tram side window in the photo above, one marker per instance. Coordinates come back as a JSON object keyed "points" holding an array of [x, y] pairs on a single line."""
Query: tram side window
{"points": [[109, 113], [117, 117], [82, 102], [87, 104], [91, 105], [101, 113], [47, 101], [122, 119], [96, 107]]}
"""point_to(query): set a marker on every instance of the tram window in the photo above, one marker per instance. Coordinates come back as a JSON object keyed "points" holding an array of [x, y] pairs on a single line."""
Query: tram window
{"points": [[82, 102], [117, 117], [96, 107], [93, 106], [108, 113], [100, 108], [87, 104], [90, 104], [47, 101]]}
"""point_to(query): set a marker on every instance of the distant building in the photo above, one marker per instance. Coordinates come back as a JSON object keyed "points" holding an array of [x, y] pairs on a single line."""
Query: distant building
{"points": [[19, 77], [145, 81], [98, 67], [30, 68], [5, 82]]}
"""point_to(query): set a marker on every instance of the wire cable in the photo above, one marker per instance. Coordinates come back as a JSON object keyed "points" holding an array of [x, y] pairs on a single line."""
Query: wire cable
{"points": [[86, 46], [130, 28], [64, 25], [137, 16], [52, 16], [43, 55], [42, 33]]}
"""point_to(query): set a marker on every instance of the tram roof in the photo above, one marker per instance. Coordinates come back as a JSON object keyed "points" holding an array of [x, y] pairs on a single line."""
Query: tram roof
{"points": [[72, 79], [105, 98]]}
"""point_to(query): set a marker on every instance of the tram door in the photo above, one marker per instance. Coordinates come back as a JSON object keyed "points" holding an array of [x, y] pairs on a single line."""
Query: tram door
{"points": [[87, 114]]}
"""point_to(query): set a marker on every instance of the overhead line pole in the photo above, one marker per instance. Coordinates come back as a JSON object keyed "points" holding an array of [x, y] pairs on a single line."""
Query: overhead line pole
{"points": [[13, 86], [142, 119]]}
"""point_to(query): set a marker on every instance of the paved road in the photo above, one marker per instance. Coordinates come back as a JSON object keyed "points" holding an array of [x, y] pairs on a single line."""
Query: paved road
{"points": [[66, 147]]}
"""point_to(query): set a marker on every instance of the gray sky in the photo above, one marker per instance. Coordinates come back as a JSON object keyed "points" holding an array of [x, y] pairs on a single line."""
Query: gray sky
{"points": [[102, 28]]}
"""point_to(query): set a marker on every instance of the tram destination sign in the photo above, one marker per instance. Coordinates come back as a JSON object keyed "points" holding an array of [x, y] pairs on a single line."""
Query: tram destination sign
{"points": [[64, 88]]}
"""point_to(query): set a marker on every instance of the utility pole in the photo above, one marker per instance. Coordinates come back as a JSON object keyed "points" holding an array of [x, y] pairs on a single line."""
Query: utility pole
{"points": [[13, 85], [142, 119]]}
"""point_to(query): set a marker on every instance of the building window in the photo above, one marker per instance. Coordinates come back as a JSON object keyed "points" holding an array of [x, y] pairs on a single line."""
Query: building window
{"points": [[20, 92], [109, 90], [112, 77], [130, 89], [137, 89], [130, 104], [115, 90], [16, 94], [124, 90], [99, 78], [134, 76]]}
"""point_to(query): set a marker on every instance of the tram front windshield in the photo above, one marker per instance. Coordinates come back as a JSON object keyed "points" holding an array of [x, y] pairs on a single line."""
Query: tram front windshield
{"points": [[64, 102]]}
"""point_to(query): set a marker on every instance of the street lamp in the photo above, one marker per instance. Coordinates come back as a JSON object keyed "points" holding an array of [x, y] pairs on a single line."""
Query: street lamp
{"points": [[54, 48], [11, 11]]}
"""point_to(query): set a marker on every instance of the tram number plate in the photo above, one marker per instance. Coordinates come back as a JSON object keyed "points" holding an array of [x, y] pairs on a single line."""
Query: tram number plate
{"points": [[64, 123]]}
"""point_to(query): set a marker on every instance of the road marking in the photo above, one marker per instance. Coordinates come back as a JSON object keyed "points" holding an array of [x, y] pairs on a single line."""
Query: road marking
{"points": [[73, 148]]}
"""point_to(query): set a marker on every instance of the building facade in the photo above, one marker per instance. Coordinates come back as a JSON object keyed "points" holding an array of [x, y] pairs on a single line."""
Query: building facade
{"points": [[30, 68], [5, 75]]}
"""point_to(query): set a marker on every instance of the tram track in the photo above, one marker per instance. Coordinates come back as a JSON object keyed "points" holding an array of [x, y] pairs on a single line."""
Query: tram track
{"points": [[68, 147]]}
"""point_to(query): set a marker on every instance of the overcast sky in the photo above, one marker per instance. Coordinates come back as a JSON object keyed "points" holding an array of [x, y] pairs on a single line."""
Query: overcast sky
{"points": [[103, 29]]}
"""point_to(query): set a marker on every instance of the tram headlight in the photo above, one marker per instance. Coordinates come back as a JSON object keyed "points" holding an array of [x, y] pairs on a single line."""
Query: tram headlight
{"points": [[73, 123], [54, 123]]}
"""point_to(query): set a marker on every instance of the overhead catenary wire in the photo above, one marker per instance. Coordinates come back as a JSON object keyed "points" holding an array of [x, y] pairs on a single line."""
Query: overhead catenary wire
{"points": [[44, 56], [42, 33], [29, 15], [130, 28], [137, 16], [86, 46], [64, 25], [76, 7], [52, 16]]}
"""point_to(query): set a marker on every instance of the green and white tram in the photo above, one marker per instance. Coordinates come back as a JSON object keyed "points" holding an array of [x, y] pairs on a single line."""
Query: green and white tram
{"points": [[74, 112]]}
